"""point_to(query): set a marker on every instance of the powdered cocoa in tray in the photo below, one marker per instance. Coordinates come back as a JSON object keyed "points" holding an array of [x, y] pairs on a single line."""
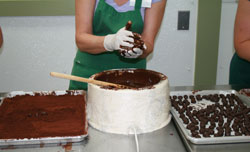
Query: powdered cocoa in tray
{"points": [[26, 116]]}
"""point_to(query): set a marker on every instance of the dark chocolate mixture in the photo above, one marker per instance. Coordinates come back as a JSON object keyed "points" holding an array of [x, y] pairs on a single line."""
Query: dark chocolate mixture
{"points": [[138, 42], [136, 78], [27, 116]]}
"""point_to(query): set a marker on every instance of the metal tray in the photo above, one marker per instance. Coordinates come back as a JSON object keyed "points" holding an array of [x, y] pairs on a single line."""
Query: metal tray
{"points": [[209, 140], [245, 94], [43, 140], [225, 147]]}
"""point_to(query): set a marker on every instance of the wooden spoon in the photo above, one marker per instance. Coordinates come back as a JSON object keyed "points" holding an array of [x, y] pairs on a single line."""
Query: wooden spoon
{"points": [[81, 79]]}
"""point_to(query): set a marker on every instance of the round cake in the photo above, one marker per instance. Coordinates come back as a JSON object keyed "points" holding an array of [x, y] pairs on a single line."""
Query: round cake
{"points": [[143, 107]]}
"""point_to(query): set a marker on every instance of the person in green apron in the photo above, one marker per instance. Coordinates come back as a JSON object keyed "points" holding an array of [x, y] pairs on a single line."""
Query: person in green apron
{"points": [[100, 32], [1, 38], [240, 62]]}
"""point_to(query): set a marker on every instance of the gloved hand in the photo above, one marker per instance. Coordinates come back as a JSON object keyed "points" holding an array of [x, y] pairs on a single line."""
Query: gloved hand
{"points": [[122, 38], [134, 52]]}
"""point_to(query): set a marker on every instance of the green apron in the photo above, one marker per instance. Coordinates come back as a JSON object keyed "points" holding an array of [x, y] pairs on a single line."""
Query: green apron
{"points": [[239, 71], [107, 21]]}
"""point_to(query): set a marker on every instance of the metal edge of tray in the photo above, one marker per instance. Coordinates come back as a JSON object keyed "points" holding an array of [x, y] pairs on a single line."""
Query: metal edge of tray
{"points": [[56, 92], [244, 98], [183, 137], [245, 92], [47, 140], [211, 140], [2, 96], [232, 147]]}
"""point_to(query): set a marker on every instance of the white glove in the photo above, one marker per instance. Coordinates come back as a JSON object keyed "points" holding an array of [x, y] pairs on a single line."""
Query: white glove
{"points": [[134, 53], [121, 38]]}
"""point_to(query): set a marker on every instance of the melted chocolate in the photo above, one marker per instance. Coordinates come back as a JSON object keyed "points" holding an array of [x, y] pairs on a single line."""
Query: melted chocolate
{"points": [[138, 42], [135, 78]]}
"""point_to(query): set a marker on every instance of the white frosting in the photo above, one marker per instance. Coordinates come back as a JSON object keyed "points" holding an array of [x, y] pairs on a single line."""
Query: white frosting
{"points": [[117, 111]]}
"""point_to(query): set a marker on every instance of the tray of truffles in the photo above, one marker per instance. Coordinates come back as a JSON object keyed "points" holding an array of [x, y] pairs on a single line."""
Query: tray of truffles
{"points": [[42, 117], [211, 116]]}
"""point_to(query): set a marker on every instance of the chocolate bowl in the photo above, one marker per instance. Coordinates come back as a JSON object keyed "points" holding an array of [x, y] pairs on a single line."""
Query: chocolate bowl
{"points": [[143, 107]]}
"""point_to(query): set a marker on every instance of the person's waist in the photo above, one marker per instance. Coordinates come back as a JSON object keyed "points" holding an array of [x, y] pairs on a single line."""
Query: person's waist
{"points": [[105, 58]]}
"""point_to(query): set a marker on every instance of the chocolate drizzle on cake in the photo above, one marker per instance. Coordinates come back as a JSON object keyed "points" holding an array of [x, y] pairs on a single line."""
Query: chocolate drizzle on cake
{"points": [[135, 78]]}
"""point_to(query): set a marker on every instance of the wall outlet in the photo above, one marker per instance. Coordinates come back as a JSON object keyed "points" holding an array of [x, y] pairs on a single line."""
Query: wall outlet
{"points": [[183, 20]]}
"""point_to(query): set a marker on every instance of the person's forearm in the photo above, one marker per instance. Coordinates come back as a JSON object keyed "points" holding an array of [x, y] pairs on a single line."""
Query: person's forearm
{"points": [[152, 15], [149, 48], [243, 49], [1, 38], [242, 30], [90, 43]]}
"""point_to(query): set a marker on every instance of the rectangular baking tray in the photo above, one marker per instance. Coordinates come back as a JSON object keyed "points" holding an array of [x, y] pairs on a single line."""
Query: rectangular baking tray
{"points": [[209, 140], [225, 147], [44, 140]]}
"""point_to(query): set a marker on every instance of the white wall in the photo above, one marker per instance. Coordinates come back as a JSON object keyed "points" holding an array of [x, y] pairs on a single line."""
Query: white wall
{"points": [[175, 50], [35, 46], [226, 48]]}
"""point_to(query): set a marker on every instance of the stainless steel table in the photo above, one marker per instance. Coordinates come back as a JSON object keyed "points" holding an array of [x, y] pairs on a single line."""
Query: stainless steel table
{"points": [[163, 140], [166, 139]]}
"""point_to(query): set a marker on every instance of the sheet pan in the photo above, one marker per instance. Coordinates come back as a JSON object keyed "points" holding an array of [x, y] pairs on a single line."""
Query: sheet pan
{"points": [[47, 140], [208, 140]]}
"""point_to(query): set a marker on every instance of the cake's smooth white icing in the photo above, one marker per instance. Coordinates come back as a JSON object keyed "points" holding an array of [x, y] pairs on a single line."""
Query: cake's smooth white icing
{"points": [[117, 111]]}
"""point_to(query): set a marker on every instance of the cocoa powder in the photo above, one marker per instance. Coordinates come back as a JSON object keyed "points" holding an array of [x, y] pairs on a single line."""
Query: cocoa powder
{"points": [[26, 116]]}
